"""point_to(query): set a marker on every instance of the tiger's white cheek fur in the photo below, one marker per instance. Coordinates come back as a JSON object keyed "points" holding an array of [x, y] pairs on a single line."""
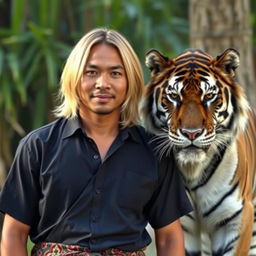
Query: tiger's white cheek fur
{"points": [[157, 108]]}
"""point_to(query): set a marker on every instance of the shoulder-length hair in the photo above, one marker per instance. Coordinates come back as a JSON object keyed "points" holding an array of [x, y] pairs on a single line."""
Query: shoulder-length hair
{"points": [[74, 68]]}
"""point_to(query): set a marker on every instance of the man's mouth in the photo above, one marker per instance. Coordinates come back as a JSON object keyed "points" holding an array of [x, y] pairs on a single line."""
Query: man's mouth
{"points": [[102, 98]]}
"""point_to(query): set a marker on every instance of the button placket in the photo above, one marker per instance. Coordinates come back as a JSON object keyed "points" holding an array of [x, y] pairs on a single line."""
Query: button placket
{"points": [[96, 203], [94, 219]]}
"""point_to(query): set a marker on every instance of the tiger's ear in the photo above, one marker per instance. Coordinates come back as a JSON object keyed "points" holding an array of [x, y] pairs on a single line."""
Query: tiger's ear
{"points": [[228, 61], [155, 61]]}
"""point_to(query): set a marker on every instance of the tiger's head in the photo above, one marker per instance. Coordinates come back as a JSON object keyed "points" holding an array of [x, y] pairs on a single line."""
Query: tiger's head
{"points": [[194, 105]]}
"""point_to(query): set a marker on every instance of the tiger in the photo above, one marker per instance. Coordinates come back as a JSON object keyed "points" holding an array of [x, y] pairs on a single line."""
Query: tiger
{"points": [[199, 112]]}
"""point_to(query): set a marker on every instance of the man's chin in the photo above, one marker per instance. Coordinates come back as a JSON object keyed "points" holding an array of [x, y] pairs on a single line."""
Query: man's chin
{"points": [[103, 111]]}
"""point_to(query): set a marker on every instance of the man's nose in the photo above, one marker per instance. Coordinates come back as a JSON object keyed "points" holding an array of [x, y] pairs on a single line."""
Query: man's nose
{"points": [[103, 81]]}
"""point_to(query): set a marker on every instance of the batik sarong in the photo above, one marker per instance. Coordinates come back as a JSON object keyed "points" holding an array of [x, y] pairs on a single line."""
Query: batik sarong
{"points": [[57, 249]]}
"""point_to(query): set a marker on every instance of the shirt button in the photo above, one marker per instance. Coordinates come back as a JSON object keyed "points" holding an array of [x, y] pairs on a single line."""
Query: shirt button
{"points": [[93, 219], [95, 157], [97, 191], [93, 240]]}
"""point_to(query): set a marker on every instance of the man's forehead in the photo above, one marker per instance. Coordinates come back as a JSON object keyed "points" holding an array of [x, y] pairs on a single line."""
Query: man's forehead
{"points": [[94, 66]]}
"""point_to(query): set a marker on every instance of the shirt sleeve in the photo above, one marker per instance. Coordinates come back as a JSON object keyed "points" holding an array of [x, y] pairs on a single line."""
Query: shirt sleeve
{"points": [[20, 194], [169, 201]]}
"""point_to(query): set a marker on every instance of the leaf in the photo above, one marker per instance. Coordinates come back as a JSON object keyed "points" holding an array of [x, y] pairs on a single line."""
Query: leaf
{"points": [[5, 32], [51, 68], [32, 51], [17, 18], [53, 15], [44, 12], [40, 33], [37, 32], [1, 61], [40, 104], [33, 70], [18, 82], [7, 95], [17, 38]]}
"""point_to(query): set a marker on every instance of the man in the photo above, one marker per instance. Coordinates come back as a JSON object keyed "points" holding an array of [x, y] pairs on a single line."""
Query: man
{"points": [[88, 183]]}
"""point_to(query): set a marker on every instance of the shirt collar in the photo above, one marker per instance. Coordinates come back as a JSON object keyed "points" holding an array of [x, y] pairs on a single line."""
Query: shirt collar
{"points": [[72, 125], [130, 132]]}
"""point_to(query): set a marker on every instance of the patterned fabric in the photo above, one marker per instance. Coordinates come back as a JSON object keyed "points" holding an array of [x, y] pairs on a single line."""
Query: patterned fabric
{"points": [[57, 249]]}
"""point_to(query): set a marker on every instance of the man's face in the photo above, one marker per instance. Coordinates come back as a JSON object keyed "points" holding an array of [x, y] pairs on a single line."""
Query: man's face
{"points": [[104, 82]]}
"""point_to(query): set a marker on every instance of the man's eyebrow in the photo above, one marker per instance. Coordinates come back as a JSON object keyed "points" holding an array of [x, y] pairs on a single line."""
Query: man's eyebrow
{"points": [[117, 67], [91, 66]]}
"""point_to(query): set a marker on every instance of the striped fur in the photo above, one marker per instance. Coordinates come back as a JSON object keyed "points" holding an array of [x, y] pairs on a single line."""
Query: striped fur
{"points": [[200, 114]]}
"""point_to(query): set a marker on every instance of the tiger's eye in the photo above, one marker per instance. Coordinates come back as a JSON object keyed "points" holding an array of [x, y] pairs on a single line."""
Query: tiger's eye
{"points": [[174, 95], [209, 96]]}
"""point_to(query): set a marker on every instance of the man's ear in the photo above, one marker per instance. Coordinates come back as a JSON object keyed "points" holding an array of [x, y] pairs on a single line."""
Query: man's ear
{"points": [[228, 61], [155, 61]]}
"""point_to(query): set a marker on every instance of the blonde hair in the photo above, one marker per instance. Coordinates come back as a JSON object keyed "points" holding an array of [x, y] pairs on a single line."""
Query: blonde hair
{"points": [[74, 67]]}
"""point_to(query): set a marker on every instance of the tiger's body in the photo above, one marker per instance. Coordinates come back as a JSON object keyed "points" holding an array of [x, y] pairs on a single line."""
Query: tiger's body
{"points": [[200, 114]]}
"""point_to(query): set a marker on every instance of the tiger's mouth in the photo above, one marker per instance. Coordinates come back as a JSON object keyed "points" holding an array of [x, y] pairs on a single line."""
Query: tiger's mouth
{"points": [[192, 149]]}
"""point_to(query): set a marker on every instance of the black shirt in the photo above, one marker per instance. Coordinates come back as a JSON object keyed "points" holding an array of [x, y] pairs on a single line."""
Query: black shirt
{"points": [[60, 187]]}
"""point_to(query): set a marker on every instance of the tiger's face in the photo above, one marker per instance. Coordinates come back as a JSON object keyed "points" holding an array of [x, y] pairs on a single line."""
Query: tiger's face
{"points": [[194, 104]]}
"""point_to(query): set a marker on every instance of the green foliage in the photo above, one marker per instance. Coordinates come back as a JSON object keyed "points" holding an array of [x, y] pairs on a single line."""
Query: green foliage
{"points": [[30, 61], [37, 36], [29, 246]]}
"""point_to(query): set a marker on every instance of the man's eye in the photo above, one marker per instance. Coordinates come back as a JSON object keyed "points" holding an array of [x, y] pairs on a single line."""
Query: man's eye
{"points": [[116, 74], [91, 73]]}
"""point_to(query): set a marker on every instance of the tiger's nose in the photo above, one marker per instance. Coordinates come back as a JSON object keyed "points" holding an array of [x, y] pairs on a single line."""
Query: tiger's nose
{"points": [[191, 133]]}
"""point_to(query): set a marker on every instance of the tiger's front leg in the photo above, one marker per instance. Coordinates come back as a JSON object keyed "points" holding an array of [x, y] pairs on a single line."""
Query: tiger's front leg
{"points": [[224, 241], [192, 235], [233, 237]]}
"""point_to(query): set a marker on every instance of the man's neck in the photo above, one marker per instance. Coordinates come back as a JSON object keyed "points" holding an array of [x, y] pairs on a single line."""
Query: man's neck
{"points": [[103, 129], [100, 125]]}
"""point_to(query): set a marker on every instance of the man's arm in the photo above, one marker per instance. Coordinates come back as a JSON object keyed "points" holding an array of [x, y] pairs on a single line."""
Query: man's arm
{"points": [[14, 237], [170, 240]]}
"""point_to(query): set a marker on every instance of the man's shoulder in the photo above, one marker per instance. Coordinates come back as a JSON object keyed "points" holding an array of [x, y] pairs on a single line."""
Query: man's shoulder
{"points": [[158, 144], [150, 140], [143, 133], [45, 132]]}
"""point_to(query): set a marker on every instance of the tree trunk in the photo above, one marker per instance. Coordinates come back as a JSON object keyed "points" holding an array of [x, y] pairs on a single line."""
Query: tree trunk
{"points": [[219, 24]]}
